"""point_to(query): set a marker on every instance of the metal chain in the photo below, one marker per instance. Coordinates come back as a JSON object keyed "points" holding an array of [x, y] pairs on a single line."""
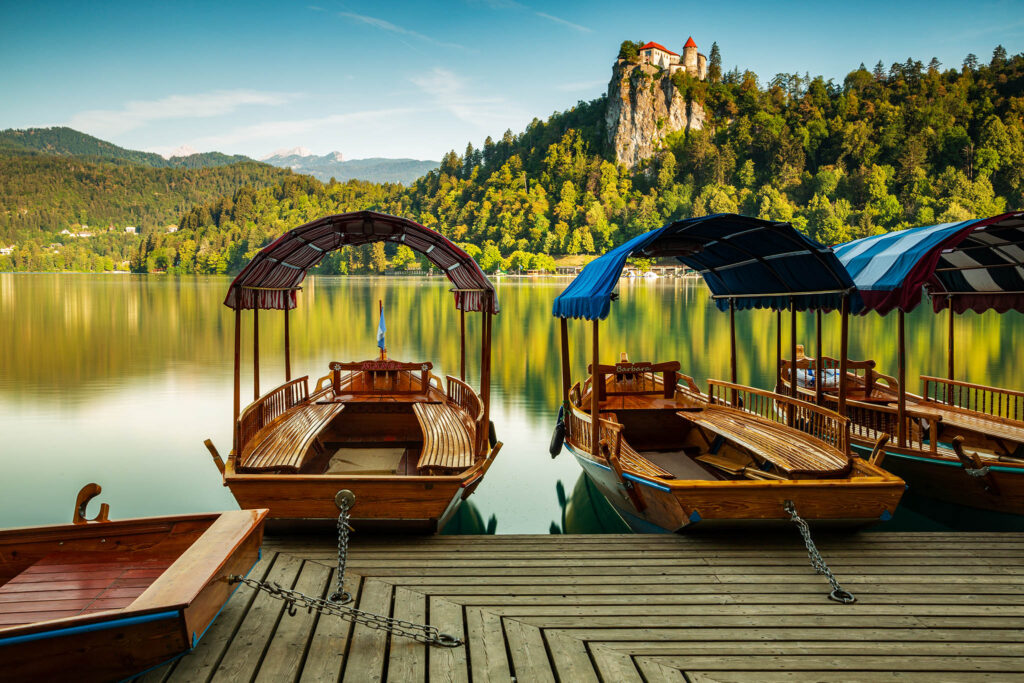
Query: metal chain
{"points": [[334, 605], [817, 561], [294, 600], [344, 502]]}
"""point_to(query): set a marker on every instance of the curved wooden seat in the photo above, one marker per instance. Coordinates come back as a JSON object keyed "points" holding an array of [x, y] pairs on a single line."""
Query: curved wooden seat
{"points": [[447, 443], [286, 443], [791, 451]]}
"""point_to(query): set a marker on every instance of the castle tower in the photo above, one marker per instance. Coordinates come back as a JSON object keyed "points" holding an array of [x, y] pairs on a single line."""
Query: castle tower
{"points": [[690, 57]]}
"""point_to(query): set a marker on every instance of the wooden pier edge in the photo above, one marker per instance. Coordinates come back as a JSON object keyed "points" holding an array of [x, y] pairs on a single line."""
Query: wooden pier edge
{"points": [[931, 606]]}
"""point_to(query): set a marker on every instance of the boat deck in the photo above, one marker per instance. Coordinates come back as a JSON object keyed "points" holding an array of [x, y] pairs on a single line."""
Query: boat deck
{"points": [[634, 608]]}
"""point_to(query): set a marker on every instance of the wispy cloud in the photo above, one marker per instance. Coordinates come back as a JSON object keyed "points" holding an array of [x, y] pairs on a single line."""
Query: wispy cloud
{"points": [[512, 4], [563, 22], [385, 25], [137, 113], [451, 93], [292, 128]]}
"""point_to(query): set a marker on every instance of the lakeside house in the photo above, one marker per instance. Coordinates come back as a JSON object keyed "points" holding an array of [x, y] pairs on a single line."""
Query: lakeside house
{"points": [[131, 229]]}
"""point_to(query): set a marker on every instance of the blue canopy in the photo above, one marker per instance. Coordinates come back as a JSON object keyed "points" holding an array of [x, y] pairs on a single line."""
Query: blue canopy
{"points": [[756, 263], [977, 264]]}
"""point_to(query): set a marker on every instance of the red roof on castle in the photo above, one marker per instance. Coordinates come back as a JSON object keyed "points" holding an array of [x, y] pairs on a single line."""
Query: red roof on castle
{"points": [[690, 43], [658, 46]]}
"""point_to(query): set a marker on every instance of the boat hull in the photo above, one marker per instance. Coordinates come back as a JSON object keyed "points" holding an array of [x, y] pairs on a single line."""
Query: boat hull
{"points": [[684, 506], [383, 504], [944, 479], [167, 620]]}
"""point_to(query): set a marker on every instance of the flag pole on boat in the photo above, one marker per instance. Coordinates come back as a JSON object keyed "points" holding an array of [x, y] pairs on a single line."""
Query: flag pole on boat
{"points": [[381, 329]]}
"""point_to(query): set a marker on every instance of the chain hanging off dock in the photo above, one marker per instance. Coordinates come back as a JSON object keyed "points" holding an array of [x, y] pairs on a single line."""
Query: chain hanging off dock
{"points": [[334, 605], [817, 561]]}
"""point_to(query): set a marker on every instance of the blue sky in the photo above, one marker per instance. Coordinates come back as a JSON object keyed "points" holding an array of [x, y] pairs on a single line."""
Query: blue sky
{"points": [[414, 79]]}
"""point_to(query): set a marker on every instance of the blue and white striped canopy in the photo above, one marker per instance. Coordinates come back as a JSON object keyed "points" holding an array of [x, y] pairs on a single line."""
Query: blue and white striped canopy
{"points": [[756, 263], [975, 265]]}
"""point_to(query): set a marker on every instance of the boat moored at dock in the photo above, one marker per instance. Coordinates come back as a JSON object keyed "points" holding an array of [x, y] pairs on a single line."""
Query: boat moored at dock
{"points": [[408, 444], [666, 455], [101, 600]]}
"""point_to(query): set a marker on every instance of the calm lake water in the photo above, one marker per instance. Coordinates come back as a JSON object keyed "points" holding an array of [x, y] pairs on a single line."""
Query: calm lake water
{"points": [[118, 379]]}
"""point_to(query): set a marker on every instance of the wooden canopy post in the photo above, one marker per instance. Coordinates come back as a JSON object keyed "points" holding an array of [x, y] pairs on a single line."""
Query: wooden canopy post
{"points": [[901, 411], [732, 340], [778, 347], [255, 353], [485, 359], [950, 347], [844, 349], [566, 378], [732, 347], [792, 347], [462, 344], [238, 369], [819, 369], [595, 396], [287, 347]]}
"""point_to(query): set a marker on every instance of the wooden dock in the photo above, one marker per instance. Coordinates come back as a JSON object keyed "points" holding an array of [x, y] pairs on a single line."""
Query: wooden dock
{"points": [[930, 607]]}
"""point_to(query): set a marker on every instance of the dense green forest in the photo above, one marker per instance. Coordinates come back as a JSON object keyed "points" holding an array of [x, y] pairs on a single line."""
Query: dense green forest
{"points": [[885, 149], [63, 141], [41, 196]]}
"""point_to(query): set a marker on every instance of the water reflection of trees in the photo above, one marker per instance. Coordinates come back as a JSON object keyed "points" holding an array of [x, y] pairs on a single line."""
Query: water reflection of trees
{"points": [[69, 331]]}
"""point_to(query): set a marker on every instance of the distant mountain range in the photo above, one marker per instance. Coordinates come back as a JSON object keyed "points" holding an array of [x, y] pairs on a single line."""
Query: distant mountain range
{"points": [[333, 165], [67, 142]]}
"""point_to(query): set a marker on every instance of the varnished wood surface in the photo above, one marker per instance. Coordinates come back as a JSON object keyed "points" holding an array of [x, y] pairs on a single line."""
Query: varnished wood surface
{"points": [[931, 607], [99, 602], [447, 443], [284, 445]]}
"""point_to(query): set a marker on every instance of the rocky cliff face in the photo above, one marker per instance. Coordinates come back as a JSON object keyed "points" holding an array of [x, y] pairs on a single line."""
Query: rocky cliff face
{"points": [[642, 109]]}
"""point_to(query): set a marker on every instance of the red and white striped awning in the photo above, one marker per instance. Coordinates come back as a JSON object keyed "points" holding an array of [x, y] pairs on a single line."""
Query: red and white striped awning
{"points": [[271, 279]]}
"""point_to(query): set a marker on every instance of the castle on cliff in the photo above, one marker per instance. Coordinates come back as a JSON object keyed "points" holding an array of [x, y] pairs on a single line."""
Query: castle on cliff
{"points": [[692, 61]]}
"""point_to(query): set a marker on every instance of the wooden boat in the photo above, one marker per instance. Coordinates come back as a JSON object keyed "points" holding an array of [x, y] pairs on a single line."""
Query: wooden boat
{"points": [[958, 441], [106, 600], [954, 454], [671, 458], [408, 444], [667, 456]]}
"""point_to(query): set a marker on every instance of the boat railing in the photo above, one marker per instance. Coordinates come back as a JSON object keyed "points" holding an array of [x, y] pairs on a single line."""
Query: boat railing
{"points": [[462, 395], [870, 420], [1004, 404], [268, 408], [816, 421], [578, 431], [637, 379]]}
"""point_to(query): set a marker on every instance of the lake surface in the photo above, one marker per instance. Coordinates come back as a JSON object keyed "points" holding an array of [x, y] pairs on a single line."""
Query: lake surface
{"points": [[118, 379]]}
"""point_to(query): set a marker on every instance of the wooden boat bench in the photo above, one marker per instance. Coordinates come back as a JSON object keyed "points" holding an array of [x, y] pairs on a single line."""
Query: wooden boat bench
{"points": [[447, 442], [793, 453], [992, 426], [285, 444], [634, 461], [66, 584]]}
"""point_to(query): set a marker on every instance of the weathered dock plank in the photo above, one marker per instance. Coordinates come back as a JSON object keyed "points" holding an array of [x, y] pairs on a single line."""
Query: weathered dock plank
{"points": [[660, 609]]}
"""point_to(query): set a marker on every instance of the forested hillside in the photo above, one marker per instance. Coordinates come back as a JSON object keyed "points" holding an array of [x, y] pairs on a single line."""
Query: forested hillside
{"points": [[62, 141], [885, 149], [41, 196]]}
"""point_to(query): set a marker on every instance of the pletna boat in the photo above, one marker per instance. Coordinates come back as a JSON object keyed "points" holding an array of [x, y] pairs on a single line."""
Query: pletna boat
{"points": [[100, 600], [407, 443], [957, 441], [668, 456]]}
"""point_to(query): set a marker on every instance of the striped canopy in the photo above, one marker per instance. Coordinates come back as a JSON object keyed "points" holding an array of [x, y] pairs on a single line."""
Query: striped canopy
{"points": [[753, 262], [972, 265], [270, 280]]}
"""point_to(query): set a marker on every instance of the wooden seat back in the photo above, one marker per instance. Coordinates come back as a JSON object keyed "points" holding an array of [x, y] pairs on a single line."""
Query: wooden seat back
{"points": [[345, 377], [636, 379]]}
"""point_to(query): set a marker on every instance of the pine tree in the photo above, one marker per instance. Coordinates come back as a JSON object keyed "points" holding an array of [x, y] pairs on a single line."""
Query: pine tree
{"points": [[715, 64], [998, 57]]}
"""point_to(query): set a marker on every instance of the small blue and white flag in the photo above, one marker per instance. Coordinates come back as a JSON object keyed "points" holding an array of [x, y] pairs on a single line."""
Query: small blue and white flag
{"points": [[381, 329]]}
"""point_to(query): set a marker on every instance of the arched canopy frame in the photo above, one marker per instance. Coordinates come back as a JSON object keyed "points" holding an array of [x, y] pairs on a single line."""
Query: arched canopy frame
{"points": [[746, 262], [973, 265], [272, 277]]}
